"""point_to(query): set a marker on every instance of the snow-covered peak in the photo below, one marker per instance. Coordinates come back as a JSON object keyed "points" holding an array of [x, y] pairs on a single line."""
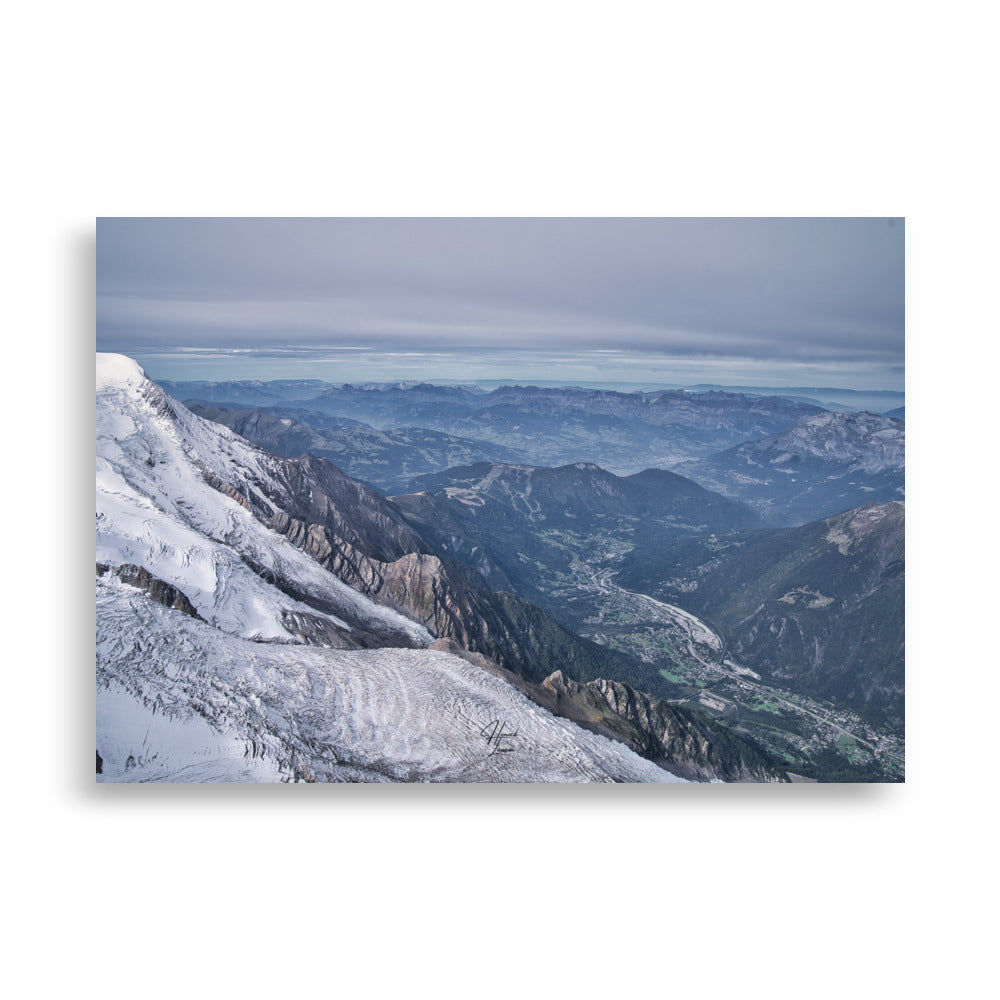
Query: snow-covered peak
{"points": [[409, 383], [176, 496], [865, 438], [118, 371]]}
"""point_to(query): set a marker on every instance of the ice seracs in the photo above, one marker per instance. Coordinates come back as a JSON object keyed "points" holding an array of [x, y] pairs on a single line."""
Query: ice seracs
{"points": [[183, 701]]}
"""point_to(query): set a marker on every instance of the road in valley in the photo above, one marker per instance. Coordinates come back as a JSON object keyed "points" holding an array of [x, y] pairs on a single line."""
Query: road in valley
{"points": [[707, 648]]}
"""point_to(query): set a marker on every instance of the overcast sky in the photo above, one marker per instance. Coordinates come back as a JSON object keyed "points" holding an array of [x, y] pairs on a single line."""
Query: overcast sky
{"points": [[760, 301]]}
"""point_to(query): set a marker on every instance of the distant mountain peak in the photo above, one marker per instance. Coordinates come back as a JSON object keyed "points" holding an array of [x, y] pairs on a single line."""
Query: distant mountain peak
{"points": [[849, 436], [409, 383], [824, 463]]}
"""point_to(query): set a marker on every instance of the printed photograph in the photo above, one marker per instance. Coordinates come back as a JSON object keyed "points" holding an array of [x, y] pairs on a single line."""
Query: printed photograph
{"points": [[500, 500]]}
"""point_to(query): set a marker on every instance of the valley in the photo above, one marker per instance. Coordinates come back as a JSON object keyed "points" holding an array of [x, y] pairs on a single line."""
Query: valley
{"points": [[691, 658], [686, 662]]}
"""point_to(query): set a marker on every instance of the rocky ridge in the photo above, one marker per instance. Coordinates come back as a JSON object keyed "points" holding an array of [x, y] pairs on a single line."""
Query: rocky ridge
{"points": [[683, 741]]}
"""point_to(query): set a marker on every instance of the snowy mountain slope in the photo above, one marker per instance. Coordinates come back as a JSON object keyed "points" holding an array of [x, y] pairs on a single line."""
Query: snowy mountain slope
{"points": [[159, 505], [185, 699], [179, 700]]}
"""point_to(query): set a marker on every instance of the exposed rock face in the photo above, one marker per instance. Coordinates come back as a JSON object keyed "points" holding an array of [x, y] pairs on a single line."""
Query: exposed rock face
{"points": [[159, 590], [310, 493], [449, 602], [362, 538], [226, 490], [317, 631], [331, 551], [318, 493], [419, 582], [678, 739]]}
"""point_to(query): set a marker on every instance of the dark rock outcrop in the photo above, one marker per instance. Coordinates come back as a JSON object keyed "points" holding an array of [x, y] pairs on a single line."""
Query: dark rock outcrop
{"points": [[681, 740], [451, 602], [160, 591]]}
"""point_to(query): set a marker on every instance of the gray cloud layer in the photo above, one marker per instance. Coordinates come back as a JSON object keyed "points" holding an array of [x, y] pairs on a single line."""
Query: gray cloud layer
{"points": [[807, 290]]}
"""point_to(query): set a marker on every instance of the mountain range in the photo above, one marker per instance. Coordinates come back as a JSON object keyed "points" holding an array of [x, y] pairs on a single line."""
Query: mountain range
{"points": [[621, 432], [816, 609], [269, 618], [388, 459], [790, 461], [523, 526], [823, 464], [469, 594]]}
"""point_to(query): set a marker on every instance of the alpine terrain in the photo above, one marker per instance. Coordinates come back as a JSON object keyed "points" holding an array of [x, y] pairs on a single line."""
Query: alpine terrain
{"points": [[823, 464], [619, 431], [297, 581], [266, 618]]}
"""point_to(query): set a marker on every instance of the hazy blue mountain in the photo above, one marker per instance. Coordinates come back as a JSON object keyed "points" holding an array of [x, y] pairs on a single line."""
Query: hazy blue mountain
{"points": [[624, 432], [843, 400], [249, 392], [386, 459], [824, 463]]}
